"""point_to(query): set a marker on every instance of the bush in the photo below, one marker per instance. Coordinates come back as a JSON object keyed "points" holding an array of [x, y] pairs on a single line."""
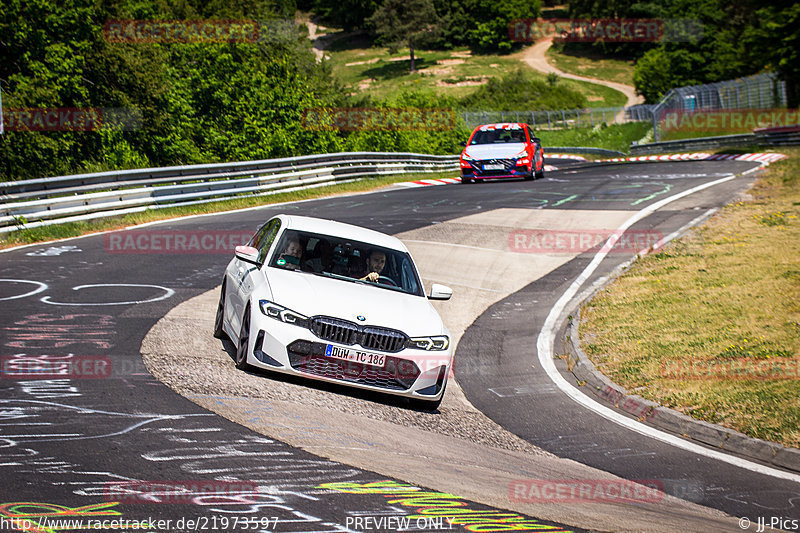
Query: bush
{"points": [[519, 92]]}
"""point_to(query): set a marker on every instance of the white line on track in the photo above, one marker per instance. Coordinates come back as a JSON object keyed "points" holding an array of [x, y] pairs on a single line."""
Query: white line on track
{"points": [[544, 346]]}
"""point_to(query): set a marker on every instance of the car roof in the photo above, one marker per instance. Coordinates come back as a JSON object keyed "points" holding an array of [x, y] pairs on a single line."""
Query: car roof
{"points": [[340, 229], [501, 126]]}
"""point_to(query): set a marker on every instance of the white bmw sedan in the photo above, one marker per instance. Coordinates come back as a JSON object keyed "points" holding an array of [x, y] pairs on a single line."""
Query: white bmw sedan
{"points": [[338, 303]]}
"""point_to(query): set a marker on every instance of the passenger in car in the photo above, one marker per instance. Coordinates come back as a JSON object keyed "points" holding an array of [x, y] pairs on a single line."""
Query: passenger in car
{"points": [[290, 257], [322, 258]]}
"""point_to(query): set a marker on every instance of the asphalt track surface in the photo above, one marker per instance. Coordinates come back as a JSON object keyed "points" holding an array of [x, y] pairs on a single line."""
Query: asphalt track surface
{"points": [[108, 443]]}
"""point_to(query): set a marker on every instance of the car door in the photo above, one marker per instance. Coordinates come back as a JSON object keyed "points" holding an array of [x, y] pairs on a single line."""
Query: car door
{"points": [[241, 273]]}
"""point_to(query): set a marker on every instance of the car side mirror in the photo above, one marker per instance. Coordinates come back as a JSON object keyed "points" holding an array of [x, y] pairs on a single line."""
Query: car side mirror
{"points": [[463, 143], [536, 140], [248, 254], [440, 292]]}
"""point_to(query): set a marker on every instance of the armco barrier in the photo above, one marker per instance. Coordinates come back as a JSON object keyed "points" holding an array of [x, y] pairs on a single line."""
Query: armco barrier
{"points": [[582, 150], [45, 201], [684, 145], [772, 137], [37, 202]]}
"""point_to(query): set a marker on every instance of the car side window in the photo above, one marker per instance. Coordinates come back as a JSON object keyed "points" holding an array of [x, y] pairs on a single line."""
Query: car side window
{"points": [[264, 238], [408, 279]]}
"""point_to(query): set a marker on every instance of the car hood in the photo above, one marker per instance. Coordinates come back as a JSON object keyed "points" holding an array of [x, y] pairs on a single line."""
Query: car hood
{"points": [[312, 295], [494, 151]]}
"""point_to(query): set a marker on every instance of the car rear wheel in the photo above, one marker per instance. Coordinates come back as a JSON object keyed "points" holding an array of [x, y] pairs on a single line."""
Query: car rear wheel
{"points": [[219, 329], [244, 342]]}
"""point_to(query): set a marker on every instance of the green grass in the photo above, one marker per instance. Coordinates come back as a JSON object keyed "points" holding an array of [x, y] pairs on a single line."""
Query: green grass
{"points": [[711, 324], [592, 66], [74, 229], [458, 73], [614, 137]]}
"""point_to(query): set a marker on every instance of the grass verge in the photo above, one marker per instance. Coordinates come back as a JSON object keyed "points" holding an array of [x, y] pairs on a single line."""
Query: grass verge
{"points": [[710, 325], [75, 229], [457, 73], [614, 137], [592, 66]]}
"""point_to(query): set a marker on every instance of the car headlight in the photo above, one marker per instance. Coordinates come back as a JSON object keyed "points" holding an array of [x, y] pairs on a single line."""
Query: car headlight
{"points": [[466, 157], [523, 153], [431, 343], [278, 312]]}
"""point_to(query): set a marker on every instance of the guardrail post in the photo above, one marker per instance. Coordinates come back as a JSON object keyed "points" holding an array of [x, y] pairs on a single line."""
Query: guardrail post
{"points": [[655, 125]]}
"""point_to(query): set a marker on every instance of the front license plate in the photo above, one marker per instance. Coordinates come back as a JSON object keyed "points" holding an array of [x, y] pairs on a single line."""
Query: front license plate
{"points": [[493, 167], [356, 356]]}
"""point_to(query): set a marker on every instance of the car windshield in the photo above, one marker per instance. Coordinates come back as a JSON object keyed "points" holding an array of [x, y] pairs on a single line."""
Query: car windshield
{"points": [[346, 260], [498, 137]]}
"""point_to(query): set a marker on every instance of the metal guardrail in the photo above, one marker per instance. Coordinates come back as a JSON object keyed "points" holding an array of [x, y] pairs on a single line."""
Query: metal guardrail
{"points": [[786, 138], [546, 119], [45, 201], [583, 150], [761, 91], [39, 202]]}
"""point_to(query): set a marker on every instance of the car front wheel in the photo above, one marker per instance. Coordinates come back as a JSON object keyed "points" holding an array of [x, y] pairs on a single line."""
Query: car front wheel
{"points": [[219, 329], [244, 342]]}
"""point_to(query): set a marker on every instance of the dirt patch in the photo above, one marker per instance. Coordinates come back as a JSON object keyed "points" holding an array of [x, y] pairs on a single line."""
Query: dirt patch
{"points": [[367, 62], [437, 71], [468, 82], [364, 84], [450, 61]]}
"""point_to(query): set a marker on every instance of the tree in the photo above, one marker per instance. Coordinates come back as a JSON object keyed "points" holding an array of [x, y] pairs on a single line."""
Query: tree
{"points": [[405, 22], [775, 37], [347, 14]]}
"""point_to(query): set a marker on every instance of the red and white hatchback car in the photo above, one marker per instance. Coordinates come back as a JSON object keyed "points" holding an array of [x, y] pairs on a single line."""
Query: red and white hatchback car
{"points": [[504, 150]]}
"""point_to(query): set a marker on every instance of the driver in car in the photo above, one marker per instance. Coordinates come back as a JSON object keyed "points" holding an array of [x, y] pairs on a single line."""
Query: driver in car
{"points": [[375, 263]]}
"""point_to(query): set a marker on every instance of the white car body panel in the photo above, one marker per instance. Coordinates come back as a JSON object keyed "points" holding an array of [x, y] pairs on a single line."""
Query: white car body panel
{"points": [[363, 304], [494, 151], [313, 295]]}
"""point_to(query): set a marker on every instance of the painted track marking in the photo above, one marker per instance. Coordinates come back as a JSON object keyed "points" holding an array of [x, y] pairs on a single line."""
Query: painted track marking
{"points": [[545, 341], [167, 293], [41, 287]]}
